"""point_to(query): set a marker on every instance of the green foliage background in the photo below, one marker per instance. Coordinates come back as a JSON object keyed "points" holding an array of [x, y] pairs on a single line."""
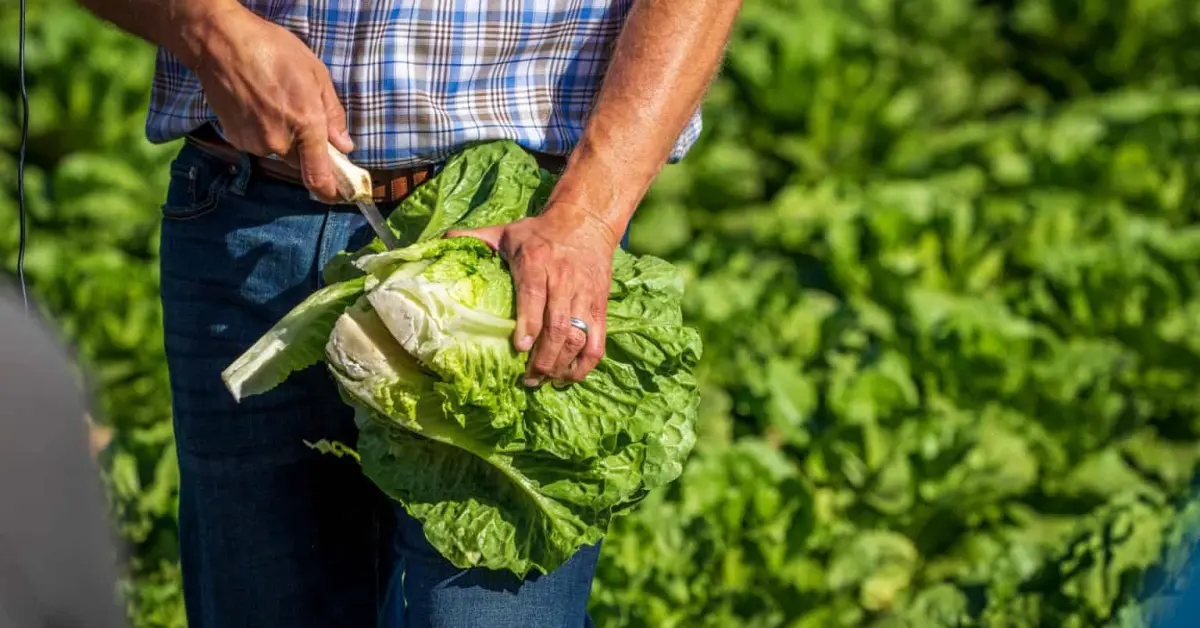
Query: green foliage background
{"points": [[944, 255]]}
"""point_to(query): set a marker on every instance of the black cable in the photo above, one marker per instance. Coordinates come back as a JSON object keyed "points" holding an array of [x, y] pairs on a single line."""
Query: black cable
{"points": [[21, 162]]}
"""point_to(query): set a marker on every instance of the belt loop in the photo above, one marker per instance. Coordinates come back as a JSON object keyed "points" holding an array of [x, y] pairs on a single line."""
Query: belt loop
{"points": [[244, 169]]}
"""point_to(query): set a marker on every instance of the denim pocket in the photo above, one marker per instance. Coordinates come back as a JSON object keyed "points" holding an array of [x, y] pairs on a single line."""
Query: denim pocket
{"points": [[198, 182]]}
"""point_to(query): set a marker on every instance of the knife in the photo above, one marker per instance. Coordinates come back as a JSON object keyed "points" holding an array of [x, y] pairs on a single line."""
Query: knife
{"points": [[354, 184]]}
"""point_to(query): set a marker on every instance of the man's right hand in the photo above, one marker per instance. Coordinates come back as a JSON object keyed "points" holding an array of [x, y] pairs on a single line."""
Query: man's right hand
{"points": [[271, 94]]}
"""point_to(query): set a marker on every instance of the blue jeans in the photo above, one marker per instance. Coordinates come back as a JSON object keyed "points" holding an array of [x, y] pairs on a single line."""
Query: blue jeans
{"points": [[271, 533]]}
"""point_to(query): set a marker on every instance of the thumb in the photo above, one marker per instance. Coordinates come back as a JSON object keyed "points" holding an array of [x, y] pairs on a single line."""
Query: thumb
{"points": [[489, 235]]}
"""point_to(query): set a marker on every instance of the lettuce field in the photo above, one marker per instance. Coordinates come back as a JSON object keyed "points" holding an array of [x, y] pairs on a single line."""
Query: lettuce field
{"points": [[944, 256]]}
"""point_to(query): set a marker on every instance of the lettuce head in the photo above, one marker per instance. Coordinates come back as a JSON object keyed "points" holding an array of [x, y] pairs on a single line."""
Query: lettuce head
{"points": [[418, 340]]}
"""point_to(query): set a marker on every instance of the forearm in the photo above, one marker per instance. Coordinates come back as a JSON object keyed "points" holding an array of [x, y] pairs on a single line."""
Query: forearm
{"points": [[181, 26], [663, 62]]}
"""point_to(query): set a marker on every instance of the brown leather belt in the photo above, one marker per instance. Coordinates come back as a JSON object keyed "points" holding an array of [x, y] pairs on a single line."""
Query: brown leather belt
{"points": [[390, 186]]}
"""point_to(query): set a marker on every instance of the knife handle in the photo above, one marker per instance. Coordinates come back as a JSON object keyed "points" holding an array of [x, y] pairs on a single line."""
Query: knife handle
{"points": [[354, 183]]}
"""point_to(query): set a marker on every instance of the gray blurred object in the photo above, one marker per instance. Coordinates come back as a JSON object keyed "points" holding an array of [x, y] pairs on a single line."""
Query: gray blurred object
{"points": [[57, 552]]}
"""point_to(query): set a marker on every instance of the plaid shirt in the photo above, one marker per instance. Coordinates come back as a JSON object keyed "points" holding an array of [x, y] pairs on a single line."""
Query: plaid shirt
{"points": [[421, 78]]}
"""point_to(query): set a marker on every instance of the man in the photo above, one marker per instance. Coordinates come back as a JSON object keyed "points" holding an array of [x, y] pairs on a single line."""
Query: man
{"points": [[273, 534]]}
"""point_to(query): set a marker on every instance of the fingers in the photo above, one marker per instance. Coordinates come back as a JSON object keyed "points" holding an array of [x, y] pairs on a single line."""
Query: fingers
{"points": [[556, 330], [575, 341], [304, 148], [316, 168], [529, 271], [531, 282], [563, 352], [553, 286], [274, 97], [593, 348], [299, 135]]}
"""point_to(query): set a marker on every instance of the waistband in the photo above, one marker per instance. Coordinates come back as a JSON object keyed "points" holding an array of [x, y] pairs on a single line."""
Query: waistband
{"points": [[388, 186]]}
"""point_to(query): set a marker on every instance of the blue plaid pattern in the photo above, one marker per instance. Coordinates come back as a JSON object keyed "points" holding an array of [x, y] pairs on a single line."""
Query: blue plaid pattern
{"points": [[422, 78]]}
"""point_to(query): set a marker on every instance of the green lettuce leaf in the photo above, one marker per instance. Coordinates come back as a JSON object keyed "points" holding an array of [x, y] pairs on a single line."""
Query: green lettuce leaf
{"points": [[488, 184], [419, 341], [294, 343]]}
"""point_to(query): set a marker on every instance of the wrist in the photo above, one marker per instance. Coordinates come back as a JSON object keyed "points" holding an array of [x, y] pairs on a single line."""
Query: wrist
{"points": [[602, 185], [580, 218], [204, 28]]}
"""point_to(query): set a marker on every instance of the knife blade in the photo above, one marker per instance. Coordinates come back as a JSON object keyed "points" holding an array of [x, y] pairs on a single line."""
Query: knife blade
{"points": [[354, 184]]}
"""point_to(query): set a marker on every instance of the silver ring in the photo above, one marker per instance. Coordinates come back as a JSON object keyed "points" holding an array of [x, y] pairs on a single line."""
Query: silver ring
{"points": [[580, 325]]}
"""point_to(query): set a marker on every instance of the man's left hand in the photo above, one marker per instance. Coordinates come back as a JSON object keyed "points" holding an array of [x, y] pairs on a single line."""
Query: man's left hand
{"points": [[561, 263]]}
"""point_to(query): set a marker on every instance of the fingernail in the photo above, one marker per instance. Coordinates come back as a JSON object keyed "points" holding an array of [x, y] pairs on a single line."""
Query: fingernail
{"points": [[525, 343], [533, 382]]}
